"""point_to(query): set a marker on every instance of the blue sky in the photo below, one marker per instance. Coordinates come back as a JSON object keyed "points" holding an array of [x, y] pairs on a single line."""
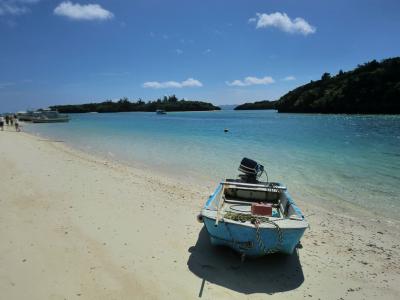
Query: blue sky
{"points": [[221, 51]]}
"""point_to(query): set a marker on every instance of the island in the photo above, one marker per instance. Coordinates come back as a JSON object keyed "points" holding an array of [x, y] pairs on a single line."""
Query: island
{"points": [[167, 103], [371, 88], [265, 104]]}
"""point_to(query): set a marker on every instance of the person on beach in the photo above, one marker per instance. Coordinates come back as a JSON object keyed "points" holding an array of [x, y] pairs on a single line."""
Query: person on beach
{"points": [[7, 119], [1, 123], [11, 121], [17, 127]]}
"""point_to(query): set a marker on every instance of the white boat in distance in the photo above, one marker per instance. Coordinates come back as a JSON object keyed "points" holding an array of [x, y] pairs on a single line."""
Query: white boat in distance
{"points": [[44, 116], [25, 115]]}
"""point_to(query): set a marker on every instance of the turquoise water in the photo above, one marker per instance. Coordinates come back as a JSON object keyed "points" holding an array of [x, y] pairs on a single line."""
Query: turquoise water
{"points": [[319, 157]]}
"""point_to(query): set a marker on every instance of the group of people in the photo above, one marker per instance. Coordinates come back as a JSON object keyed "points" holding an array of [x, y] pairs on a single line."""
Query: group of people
{"points": [[9, 121]]}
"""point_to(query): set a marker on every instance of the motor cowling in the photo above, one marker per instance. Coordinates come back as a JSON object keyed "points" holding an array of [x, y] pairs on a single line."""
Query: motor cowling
{"points": [[251, 170]]}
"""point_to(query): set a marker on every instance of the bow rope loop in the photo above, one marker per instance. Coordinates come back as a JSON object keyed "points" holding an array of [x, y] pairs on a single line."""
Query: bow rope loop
{"points": [[256, 221]]}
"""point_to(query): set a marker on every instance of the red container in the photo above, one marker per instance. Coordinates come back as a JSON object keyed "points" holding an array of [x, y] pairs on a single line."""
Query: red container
{"points": [[261, 209]]}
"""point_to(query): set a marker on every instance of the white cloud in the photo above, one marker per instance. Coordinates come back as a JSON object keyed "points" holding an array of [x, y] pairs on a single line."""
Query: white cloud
{"points": [[179, 51], [207, 51], [250, 80], [283, 22], [82, 12], [190, 82], [6, 84], [15, 7], [289, 78]]}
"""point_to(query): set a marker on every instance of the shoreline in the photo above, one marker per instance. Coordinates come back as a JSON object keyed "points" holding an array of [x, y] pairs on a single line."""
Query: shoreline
{"points": [[329, 204], [134, 163], [76, 225]]}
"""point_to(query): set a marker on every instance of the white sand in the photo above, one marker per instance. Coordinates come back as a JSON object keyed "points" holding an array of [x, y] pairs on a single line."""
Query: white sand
{"points": [[73, 226]]}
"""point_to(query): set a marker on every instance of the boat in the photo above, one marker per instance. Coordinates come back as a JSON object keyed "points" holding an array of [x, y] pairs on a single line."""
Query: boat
{"points": [[252, 217], [161, 112], [25, 115], [49, 116]]}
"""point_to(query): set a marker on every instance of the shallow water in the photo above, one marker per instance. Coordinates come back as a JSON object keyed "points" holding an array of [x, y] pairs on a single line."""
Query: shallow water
{"points": [[319, 157]]}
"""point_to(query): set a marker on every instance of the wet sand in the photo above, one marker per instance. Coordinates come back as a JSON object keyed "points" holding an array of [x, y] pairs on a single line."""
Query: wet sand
{"points": [[74, 226]]}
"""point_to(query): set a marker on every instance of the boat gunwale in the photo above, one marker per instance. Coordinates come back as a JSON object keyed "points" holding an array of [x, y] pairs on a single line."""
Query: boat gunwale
{"points": [[207, 212], [284, 223]]}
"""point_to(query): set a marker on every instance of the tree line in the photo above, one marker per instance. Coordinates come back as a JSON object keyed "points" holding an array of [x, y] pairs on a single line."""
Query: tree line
{"points": [[265, 104], [167, 103], [371, 88]]}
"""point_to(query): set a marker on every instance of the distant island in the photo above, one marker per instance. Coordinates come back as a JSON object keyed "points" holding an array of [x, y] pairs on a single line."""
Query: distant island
{"points": [[167, 103], [371, 88], [265, 104]]}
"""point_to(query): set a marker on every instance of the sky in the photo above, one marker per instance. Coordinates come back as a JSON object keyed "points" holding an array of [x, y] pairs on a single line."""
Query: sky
{"points": [[224, 52]]}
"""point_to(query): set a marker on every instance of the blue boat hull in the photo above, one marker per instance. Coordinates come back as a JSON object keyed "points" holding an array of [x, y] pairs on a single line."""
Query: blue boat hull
{"points": [[244, 239]]}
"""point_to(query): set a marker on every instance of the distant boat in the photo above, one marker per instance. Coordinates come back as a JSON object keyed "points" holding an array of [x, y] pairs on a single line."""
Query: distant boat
{"points": [[252, 217], [49, 116], [161, 112], [25, 115]]}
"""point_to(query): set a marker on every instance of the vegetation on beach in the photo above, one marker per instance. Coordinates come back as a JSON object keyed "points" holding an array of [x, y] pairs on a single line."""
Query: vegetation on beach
{"points": [[371, 88], [265, 104], [167, 103]]}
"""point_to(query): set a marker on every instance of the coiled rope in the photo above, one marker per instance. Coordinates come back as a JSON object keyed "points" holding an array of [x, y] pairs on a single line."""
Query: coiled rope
{"points": [[256, 221]]}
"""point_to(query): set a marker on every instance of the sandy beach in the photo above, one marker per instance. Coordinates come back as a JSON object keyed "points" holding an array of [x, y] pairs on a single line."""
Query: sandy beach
{"points": [[74, 226]]}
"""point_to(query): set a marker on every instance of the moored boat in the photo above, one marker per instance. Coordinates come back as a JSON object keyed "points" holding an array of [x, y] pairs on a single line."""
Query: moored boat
{"points": [[252, 217], [49, 116], [25, 115], [161, 112]]}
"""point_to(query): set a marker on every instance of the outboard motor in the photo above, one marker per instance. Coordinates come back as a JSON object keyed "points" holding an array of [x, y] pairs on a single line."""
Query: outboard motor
{"points": [[251, 170]]}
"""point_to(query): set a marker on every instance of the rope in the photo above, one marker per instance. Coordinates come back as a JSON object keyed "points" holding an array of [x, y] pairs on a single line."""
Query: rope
{"points": [[256, 221], [233, 207], [244, 217], [261, 242], [265, 171]]}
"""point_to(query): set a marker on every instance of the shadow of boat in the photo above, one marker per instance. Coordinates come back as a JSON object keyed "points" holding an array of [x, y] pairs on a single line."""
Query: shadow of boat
{"points": [[222, 266]]}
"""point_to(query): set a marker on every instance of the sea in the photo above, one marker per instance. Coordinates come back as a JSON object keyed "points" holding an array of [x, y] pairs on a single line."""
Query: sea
{"points": [[353, 159]]}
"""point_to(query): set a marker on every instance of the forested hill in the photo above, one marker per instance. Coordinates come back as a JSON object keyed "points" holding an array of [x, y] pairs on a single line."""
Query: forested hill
{"points": [[170, 103], [257, 105], [371, 88]]}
